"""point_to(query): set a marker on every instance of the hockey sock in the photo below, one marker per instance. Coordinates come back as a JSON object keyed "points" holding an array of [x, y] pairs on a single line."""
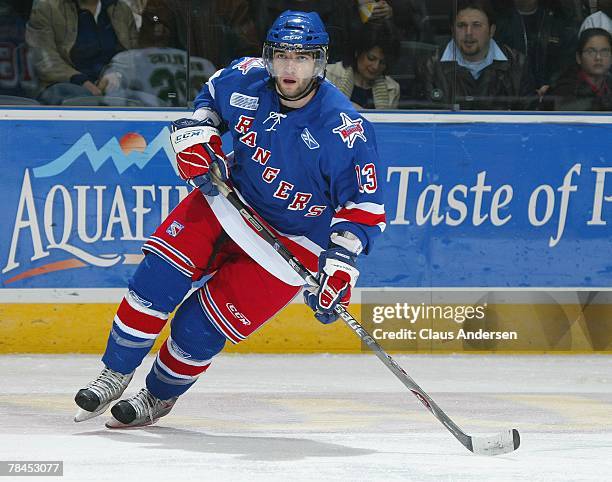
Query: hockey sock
{"points": [[186, 354], [154, 291]]}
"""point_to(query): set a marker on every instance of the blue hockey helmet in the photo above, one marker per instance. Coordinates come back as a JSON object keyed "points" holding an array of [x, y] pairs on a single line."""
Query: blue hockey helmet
{"points": [[300, 32], [305, 29]]}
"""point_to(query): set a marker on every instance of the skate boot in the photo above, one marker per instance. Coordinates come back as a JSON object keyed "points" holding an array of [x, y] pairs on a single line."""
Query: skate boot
{"points": [[95, 398], [140, 410]]}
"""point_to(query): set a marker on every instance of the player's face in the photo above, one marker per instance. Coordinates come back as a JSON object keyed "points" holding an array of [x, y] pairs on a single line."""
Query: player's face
{"points": [[371, 64], [595, 58], [294, 71], [473, 34]]}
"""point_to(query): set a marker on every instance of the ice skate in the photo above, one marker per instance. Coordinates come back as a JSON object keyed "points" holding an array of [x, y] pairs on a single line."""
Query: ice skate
{"points": [[140, 410], [94, 399]]}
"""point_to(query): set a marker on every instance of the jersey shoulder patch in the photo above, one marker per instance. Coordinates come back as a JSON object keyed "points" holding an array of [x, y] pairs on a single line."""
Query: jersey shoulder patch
{"points": [[350, 129], [243, 101], [340, 120], [245, 64], [239, 83]]}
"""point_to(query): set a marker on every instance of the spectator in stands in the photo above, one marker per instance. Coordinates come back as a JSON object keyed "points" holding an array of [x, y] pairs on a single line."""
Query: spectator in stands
{"points": [[576, 10], [588, 86], [430, 24], [600, 19], [407, 17], [16, 76], [362, 78], [339, 16], [157, 72], [546, 35], [137, 7], [221, 30], [73, 41], [374, 10], [475, 72]]}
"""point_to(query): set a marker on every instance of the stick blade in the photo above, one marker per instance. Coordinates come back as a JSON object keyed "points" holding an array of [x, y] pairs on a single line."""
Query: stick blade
{"points": [[501, 443]]}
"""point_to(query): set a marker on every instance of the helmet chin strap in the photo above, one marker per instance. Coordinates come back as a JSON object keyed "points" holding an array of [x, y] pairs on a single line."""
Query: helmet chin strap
{"points": [[311, 86]]}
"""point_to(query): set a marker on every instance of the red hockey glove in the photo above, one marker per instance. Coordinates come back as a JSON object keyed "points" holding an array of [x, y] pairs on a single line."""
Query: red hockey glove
{"points": [[337, 274], [198, 146]]}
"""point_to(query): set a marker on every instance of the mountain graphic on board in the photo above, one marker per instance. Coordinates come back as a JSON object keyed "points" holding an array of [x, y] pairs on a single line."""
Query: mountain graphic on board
{"points": [[132, 150]]}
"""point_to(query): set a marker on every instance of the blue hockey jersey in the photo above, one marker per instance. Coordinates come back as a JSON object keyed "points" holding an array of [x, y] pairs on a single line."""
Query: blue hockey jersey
{"points": [[307, 172]]}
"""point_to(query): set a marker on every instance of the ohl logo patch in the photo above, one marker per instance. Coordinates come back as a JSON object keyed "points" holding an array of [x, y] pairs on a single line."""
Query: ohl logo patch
{"points": [[350, 130], [174, 229]]}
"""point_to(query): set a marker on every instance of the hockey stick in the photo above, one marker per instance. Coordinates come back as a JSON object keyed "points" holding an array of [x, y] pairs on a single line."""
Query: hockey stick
{"points": [[502, 443]]}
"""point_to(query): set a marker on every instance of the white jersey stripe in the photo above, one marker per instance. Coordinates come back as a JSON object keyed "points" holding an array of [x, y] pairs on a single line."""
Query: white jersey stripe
{"points": [[210, 83], [219, 314], [173, 250], [131, 331], [306, 243], [165, 257], [173, 373], [181, 358], [369, 207], [212, 317], [381, 226], [135, 305]]}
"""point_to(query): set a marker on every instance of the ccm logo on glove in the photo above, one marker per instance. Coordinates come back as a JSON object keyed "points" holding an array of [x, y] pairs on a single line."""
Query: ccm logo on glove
{"points": [[198, 147], [194, 133]]}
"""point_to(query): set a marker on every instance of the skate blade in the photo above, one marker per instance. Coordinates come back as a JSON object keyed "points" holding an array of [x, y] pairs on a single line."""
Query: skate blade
{"points": [[83, 415], [115, 424]]}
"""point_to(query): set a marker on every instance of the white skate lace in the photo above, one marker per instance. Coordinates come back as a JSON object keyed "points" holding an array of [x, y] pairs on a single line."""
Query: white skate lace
{"points": [[144, 404], [108, 384]]}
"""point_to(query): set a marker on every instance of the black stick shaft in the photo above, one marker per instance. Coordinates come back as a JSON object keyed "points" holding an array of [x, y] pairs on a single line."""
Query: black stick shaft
{"points": [[267, 235]]}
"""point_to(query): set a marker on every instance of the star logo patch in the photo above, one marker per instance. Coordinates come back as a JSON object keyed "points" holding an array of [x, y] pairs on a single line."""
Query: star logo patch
{"points": [[350, 130]]}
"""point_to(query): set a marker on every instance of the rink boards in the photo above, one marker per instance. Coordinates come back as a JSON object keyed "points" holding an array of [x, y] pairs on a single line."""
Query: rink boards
{"points": [[504, 213]]}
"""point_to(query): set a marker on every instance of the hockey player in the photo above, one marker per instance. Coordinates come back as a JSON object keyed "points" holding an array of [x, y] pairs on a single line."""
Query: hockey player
{"points": [[305, 160]]}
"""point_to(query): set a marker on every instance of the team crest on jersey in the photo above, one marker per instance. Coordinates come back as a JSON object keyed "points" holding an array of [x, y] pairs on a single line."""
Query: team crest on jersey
{"points": [[174, 229], [310, 141], [244, 101], [350, 130], [247, 64]]}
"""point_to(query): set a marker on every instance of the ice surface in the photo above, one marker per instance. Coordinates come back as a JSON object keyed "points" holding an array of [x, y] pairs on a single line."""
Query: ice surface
{"points": [[323, 417]]}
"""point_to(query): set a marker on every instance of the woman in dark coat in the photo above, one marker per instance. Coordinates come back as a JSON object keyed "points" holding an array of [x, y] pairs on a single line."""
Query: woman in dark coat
{"points": [[588, 85]]}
